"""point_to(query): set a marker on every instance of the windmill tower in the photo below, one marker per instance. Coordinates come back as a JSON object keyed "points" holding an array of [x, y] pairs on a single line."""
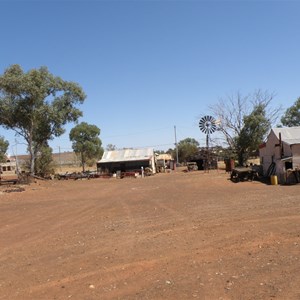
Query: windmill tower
{"points": [[207, 125]]}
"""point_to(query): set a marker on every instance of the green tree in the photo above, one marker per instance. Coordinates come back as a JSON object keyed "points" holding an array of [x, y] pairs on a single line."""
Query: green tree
{"points": [[44, 161], [86, 142], [292, 115], [3, 149], [187, 149], [37, 105], [170, 151], [232, 113], [256, 126], [110, 147]]}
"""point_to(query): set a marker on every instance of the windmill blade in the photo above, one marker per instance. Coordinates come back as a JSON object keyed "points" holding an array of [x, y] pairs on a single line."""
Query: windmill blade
{"points": [[207, 124]]}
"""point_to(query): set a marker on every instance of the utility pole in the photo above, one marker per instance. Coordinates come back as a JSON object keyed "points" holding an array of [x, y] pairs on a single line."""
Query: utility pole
{"points": [[176, 145]]}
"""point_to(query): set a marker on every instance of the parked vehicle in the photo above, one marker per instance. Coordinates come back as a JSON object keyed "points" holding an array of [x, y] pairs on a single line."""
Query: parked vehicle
{"points": [[192, 166]]}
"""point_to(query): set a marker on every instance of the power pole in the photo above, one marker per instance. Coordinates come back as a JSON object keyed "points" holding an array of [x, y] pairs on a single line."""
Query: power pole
{"points": [[177, 160]]}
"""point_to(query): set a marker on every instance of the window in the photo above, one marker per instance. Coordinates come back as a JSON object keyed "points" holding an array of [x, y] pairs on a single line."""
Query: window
{"points": [[288, 165]]}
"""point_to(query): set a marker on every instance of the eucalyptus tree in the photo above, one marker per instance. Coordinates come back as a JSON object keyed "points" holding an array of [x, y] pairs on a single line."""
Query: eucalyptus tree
{"points": [[245, 119], [110, 147], [187, 149], [86, 142], [44, 165], [291, 116], [256, 125], [37, 105], [3, 148]]}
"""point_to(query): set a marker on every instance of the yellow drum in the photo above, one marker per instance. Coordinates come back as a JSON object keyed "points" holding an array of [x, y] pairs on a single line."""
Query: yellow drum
{"points": [[274, 180]]}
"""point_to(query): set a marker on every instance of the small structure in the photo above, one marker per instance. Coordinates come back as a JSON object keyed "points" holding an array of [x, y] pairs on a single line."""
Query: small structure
{"points": [[8, 172], [9, 167], [164, 161], [280, 154], [127, 160], [206, 159]]}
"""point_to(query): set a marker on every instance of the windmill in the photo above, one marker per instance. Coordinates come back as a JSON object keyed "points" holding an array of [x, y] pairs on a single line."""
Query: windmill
{"points": [[207, 125]]}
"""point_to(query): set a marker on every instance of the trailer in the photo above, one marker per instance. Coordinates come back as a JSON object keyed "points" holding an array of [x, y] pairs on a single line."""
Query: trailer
{"points": [[243, 174]]}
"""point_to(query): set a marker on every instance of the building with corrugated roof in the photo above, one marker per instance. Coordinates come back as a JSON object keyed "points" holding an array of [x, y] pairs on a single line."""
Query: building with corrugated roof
{"points": [[280, 154], [126, 160], [9, 167]]}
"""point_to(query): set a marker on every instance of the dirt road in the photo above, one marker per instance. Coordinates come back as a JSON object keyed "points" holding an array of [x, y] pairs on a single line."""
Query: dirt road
{"points": [[171, 236]]}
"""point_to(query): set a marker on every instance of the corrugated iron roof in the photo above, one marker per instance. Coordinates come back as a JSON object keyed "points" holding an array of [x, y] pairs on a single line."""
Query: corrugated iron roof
{"points": [[289, 135], [127, 155]]}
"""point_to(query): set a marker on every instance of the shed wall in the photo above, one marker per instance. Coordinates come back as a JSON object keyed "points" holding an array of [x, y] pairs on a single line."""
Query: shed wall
{"points": [[127, 166], [296, 156]]}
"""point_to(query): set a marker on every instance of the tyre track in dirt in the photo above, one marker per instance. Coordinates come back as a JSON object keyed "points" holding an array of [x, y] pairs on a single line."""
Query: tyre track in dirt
{"points": [[187, 236]]}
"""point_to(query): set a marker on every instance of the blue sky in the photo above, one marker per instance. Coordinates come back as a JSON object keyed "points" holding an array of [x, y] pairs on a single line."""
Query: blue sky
{"points": [[149, 65]]}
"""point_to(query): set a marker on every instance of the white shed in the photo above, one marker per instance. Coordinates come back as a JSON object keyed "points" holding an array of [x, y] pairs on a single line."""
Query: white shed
{"points": [[280, 154]]}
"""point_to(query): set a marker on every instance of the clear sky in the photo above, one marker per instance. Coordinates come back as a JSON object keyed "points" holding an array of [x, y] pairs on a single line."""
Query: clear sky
{"points": [[149, 65]]}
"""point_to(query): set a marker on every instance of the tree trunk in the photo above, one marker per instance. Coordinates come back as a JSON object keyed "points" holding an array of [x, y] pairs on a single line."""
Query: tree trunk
{"points": [[83, 162], [31, 148], [31, 155], [241, 157]]}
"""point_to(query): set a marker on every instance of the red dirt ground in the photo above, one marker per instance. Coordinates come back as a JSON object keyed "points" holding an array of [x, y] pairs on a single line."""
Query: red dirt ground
{"points": [[171, 236]]}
